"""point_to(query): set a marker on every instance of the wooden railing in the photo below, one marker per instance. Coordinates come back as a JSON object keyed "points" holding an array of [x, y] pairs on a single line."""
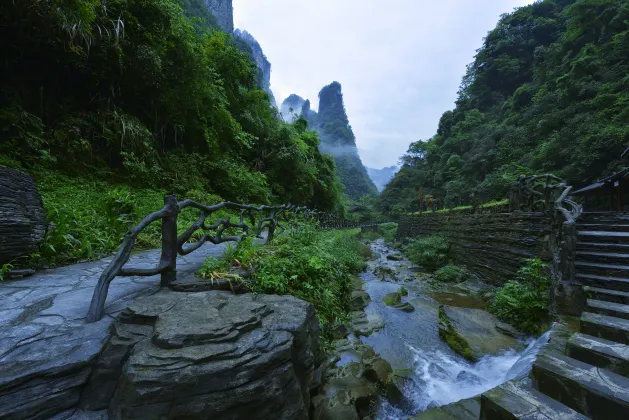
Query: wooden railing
{"points": [[263, 218], [544, 193]]}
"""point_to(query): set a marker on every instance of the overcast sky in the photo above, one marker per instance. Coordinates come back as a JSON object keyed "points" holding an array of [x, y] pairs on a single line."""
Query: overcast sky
{"points": [[400, 62]]}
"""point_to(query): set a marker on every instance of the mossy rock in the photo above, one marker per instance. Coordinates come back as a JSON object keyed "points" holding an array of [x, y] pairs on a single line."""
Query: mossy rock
{"points": [[452, 338], [406, 307], [402, 291], [382, 272], [392, 299]]}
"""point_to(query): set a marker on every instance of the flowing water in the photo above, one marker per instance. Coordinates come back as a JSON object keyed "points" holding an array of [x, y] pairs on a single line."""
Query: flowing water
{"points": [[411, 343]]}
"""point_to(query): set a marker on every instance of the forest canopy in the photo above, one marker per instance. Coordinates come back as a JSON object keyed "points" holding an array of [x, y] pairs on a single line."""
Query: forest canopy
{"points": [[548, 92], [150, 92]]}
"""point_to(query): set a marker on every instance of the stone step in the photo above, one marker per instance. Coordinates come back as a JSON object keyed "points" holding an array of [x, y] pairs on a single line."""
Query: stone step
{"points": [[599, 352], [594, 392], [607, 327], [608, 295], [602, 247], [603, 226], [605, 282], [620, 258], [617, 310], [602, 269], [600, 236], [512, 400], [604, 217]]}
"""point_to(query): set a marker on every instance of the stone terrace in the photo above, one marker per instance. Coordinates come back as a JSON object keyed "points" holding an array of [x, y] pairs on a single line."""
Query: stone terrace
{"points": [[47, 348]]}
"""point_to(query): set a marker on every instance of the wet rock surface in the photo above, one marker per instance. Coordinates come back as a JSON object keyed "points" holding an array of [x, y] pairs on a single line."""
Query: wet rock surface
{"points": [[212, 355], [46, 348]]}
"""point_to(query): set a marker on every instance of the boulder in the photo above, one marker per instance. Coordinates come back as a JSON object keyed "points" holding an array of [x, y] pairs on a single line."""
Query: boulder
{"points": [[385, 273], [406, 307], [359, 300], [22, 216], [392, 299], [395, 257], [364, 324], [472, 332], [209, 355]]}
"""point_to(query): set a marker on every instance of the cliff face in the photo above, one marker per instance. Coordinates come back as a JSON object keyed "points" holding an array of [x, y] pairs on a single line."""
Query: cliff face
{"points": [[381, 177], [337, 137], [258, 57], [223, 10], [292, 106]]}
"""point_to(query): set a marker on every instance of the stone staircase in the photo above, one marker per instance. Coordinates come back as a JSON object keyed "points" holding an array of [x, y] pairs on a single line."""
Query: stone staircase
{"points": [[587, 375]]}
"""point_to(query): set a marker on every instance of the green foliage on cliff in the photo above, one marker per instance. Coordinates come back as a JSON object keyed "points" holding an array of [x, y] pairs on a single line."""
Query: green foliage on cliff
{"points": [[524, 302], [547, 92], [150, 97]]}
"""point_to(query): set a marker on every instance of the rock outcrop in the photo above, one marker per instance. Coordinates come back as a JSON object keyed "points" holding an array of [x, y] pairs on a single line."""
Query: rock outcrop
{"points": [[223, 11], [22, 216], [260, 60], [209, 355]]}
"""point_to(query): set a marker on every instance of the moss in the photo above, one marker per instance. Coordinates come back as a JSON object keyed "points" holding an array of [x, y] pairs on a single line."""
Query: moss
{"points": [[402, 291], [392, 299], [453, 339]]}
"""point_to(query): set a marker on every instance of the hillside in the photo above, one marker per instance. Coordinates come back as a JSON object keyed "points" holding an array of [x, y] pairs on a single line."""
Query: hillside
{"points": [[546, 93]]}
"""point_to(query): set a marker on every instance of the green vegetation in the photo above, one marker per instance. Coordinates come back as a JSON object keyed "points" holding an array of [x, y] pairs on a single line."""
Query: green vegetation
{"points": [[89, 216], [430, 252], [524, 302], [150, 97], [134, 99], [546, 93], [311, 265], [451, 274]]}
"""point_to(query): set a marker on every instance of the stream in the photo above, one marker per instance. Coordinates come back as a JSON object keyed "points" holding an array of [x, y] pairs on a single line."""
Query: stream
{"points": [[410, 342]]}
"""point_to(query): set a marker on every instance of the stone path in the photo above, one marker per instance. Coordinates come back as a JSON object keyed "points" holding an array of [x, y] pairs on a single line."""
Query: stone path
{"points": [[45, 345]]}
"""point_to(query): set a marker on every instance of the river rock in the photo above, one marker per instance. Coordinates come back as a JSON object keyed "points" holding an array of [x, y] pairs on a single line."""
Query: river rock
{"points": [[364, 324], [210, 355], [406, 307], [478, 329], [359, 300], [22, 216], [395, 257], [385, 273], [392, 299]]}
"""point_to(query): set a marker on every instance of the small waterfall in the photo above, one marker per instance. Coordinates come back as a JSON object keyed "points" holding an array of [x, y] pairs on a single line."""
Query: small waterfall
{"points": [[441, 379]]}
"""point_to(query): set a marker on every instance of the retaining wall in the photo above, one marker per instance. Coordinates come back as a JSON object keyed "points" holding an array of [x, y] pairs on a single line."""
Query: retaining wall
{"points": [[491, 245]]}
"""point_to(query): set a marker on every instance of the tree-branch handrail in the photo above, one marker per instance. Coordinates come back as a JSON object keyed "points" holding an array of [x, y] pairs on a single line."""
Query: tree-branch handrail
{"points": [[173, 245]]}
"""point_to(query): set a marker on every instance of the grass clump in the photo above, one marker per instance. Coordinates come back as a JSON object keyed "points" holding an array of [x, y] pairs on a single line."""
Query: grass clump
{"points": [[311, 265], [430, 252], [524, 302], [451, 273]]}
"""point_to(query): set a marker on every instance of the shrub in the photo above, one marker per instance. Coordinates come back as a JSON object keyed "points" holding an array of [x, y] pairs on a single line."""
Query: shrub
{"points": [[430, 252], [388, 231], [120, 207], [316, 267], [524, 302], [451, 273]]}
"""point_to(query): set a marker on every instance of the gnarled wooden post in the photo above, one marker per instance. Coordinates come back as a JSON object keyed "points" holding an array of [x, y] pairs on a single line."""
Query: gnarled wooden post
{"points": [[169, 241]]}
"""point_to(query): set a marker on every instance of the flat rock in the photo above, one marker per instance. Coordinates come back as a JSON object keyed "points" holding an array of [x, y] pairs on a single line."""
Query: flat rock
{"points": [[478, 328], [211, 355], [364, 324]]}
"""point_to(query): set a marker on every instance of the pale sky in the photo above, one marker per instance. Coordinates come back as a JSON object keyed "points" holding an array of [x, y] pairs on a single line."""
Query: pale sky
{"points": [[400, 62]]}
